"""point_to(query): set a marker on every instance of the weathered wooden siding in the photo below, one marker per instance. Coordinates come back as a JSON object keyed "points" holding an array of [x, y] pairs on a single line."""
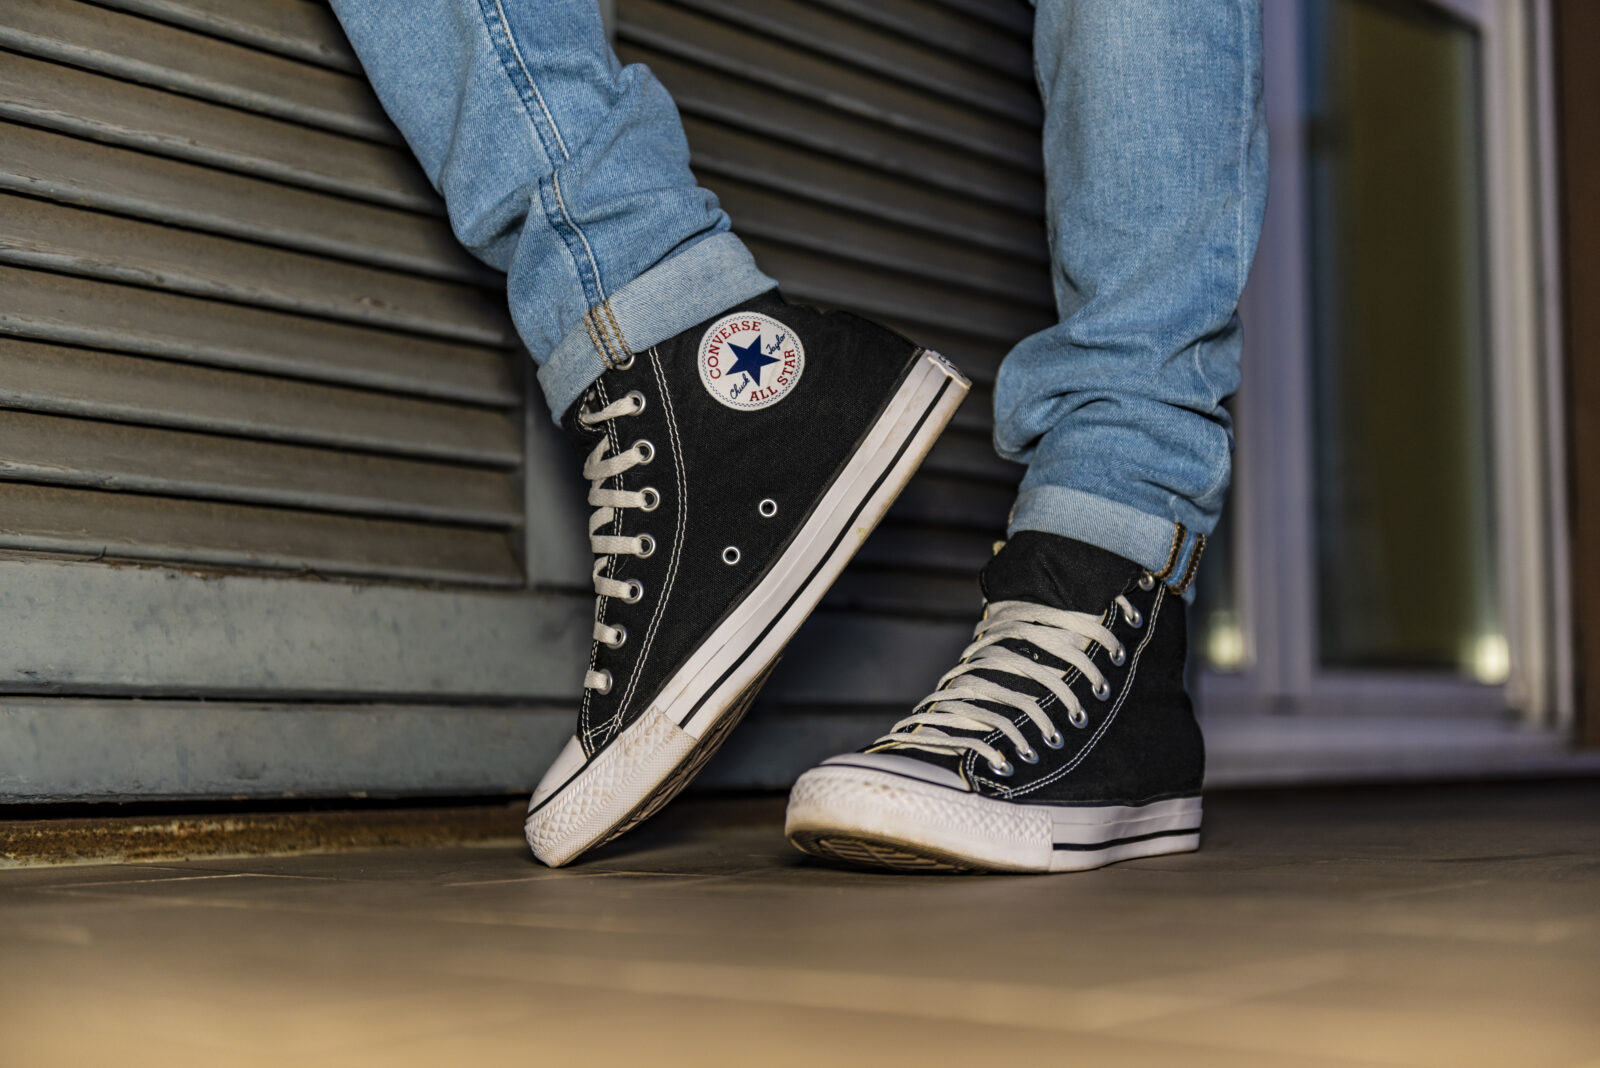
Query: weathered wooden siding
{"points": [[276, 511]]}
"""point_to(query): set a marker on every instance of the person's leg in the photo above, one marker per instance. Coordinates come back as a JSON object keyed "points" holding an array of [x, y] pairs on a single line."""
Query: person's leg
{"points": [[679, 373], [1064, 738], [559, 166], [1156, 169]]}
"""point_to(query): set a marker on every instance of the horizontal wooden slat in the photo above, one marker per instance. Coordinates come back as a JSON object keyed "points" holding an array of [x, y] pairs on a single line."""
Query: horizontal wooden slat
{"points": [[808, 276], [802, 74], [77, 749], [978, 357], [130, 389], [906, 593], [976, 414], [1015, 16], [781, 115], [154, 630], [852, 660], [86, 749], [971, 454], [49, 94], [936, 498], [293, 28], [136, 527], [805, 25], [66, 451], [756, 212], [720, 151], [43, 163], [149, 322], [958, 551], [37, 233], [948, 31], [154, 53]]}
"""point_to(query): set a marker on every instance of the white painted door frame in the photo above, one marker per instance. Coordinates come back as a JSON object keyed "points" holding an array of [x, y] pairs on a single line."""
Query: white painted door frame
{"points": [[1273, 521]]}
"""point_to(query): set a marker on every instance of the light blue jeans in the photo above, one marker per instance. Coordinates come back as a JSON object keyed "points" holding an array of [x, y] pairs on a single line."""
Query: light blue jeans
{"points": [[570, 172]]}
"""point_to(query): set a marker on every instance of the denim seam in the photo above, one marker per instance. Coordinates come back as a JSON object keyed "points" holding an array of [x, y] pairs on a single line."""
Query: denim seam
{"points": [[572, 235], [1179, 533], [1246, 114], [1194, 564], [623, 351], [561, 224], [1218, 484], [533, 87], [561, 202], [594, 339]]}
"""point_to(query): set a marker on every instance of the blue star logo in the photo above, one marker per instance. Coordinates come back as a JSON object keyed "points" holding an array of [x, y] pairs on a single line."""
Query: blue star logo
{"points": [[750, 359]]}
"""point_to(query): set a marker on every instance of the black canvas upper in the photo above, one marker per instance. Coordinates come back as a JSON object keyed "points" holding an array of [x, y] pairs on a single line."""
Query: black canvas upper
{"points": [[1139, 744], [713, 466]]}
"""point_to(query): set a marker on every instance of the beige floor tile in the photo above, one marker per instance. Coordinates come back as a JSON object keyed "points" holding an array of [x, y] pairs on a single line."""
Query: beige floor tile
{"points": [[1313, 929]]}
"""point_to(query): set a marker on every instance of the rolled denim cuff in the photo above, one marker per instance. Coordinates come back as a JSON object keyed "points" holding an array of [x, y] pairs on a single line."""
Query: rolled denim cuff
{"points": [[669, 298], [1165, 548]]}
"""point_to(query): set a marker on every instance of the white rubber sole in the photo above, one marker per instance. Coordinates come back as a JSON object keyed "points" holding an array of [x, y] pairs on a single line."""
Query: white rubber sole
{"points": [[580, 804], [869, 818]]}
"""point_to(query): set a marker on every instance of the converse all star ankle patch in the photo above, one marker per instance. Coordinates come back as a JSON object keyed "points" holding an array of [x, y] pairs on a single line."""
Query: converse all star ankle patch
{"points": [[749, 361]]}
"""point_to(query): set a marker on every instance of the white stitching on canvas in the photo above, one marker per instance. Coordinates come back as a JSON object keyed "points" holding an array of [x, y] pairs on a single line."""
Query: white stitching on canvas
{"points": [[677, 541], [1127, 688]]}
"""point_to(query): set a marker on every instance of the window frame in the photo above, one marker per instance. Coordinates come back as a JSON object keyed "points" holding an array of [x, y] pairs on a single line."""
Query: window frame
{"points": [[1442, 724]]}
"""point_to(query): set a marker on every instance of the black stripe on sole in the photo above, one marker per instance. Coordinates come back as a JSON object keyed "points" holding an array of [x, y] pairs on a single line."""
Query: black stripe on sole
{"points": [[1110, 842]]}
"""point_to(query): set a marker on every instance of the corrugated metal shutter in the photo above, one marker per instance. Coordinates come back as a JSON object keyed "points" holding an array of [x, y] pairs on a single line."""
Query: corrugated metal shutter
{"points": [[237, 330]]}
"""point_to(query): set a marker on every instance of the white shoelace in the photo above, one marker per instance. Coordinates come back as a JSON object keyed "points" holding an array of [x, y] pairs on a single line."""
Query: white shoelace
{"points": [[1064, 635], [598, 467]]}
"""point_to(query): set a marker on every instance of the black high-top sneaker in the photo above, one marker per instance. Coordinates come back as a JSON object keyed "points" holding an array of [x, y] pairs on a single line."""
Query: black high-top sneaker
{"points": [[1063, 740], [734, 469]]}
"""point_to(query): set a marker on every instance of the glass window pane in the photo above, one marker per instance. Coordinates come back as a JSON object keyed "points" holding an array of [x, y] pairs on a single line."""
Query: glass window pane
{"points": [[1404, 509]]}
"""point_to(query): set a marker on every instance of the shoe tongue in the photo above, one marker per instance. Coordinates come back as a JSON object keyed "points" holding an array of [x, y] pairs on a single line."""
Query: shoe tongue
{"points": [[1057, 572], [582, 437]]}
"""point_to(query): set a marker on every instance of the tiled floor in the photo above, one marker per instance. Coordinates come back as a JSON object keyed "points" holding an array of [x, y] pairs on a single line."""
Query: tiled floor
{"points": [[1450, 926]]}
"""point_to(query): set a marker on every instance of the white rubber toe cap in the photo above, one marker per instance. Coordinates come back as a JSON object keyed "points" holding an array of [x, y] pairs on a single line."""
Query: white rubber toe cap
{"points": [[899, 764]]}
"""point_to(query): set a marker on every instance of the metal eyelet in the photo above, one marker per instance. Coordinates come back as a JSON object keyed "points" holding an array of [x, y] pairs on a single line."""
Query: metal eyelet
{"points": [[635, 592], [768, 508], [730, 555], [637, 398], [647, 451], [1079, 719], [1147, 582], [1056, 739], [603, 690], [1119, 655], [622, 636], [1002, 769], [1028, 756], [1102, 692], [647, 546], [652, 499], [1136, 620], [625, 365]]}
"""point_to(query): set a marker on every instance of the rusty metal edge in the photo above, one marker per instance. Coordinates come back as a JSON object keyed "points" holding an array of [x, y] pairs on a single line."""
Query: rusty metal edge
{"points": [[35, 843]]}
